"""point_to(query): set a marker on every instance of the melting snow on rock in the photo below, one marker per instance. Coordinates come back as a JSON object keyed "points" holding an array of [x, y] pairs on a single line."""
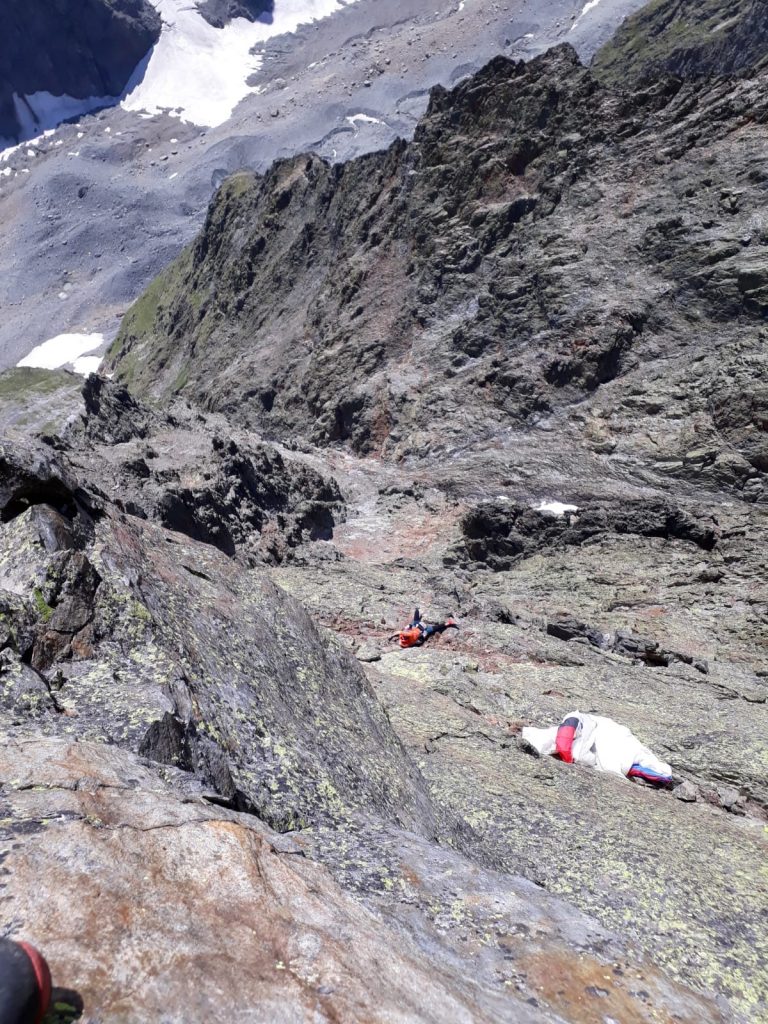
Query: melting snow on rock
{"points": [[556, 508], [42, 112], [585, 10], [194, 71], [65, 350], [355, 119], [199, 72]]}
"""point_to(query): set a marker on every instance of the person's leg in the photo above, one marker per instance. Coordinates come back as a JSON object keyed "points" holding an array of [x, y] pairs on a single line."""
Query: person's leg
{"points": [[566, 733], [25, 984], [647, 774]]}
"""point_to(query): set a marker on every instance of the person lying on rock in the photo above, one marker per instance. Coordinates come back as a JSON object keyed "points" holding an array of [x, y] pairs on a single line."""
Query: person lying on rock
{"points": [[417, 632], [600, 743], [25, 983]]}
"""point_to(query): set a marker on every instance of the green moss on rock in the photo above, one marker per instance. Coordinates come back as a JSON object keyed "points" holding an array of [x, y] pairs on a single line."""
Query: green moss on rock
{"points": [[687, 38], [44, 609]]}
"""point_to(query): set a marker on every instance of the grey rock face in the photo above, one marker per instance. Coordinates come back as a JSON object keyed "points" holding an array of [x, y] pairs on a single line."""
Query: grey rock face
{"points": [[111, 415], [137, 857], [497, 534], [249, 493], [180, 469], [83, 49], [220, 12], [32, 475], [248, 719], [230, 650], [540, 239]]}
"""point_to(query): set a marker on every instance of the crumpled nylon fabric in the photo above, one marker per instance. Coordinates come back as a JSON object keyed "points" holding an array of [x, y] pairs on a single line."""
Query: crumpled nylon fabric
{"points": [[600, 743]]}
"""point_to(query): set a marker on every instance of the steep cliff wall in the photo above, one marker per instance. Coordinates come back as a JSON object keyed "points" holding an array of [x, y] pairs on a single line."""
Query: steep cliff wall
{"points": [[541, 237], [82, 49]]}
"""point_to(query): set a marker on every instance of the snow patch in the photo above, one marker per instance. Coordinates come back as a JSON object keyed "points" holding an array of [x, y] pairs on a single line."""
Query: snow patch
{"points": [[198, 72], [8, 152], [86, 365], [43, 112], [556, 508], [364, 118], [725, 24], [585, 10], [64, 349]]}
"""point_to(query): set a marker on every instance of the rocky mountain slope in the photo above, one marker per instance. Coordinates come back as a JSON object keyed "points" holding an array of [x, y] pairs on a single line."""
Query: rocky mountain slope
{"points": [[96, 210], [364, 387], [62, 51], [685, 38], [541, 237], [163, 705], [555, 291]]}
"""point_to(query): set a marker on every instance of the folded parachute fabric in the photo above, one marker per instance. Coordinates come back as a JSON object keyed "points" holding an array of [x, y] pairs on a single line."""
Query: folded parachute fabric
{"points": [[600, 743]]}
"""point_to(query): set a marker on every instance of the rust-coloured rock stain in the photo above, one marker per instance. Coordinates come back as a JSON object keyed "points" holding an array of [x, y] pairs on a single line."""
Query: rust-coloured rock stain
{"points": [[585, 991]]}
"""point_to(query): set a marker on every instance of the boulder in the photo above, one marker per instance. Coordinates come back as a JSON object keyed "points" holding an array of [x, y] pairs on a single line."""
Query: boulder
{"points": [[499, 533], [185, 911], [220, 12]]}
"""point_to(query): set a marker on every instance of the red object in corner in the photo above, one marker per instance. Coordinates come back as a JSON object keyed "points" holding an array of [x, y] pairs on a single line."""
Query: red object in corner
{"points": [[43, 977], [564, 743]]}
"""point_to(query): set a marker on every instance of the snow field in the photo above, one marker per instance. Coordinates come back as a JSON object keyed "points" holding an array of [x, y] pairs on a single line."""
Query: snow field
{"points": [[200, 73], [66, 349], [195, 71]]}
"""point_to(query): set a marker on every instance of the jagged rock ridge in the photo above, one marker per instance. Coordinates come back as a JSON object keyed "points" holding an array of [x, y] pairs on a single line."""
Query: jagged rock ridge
{"points": [[540, 237], [239, 494]]}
